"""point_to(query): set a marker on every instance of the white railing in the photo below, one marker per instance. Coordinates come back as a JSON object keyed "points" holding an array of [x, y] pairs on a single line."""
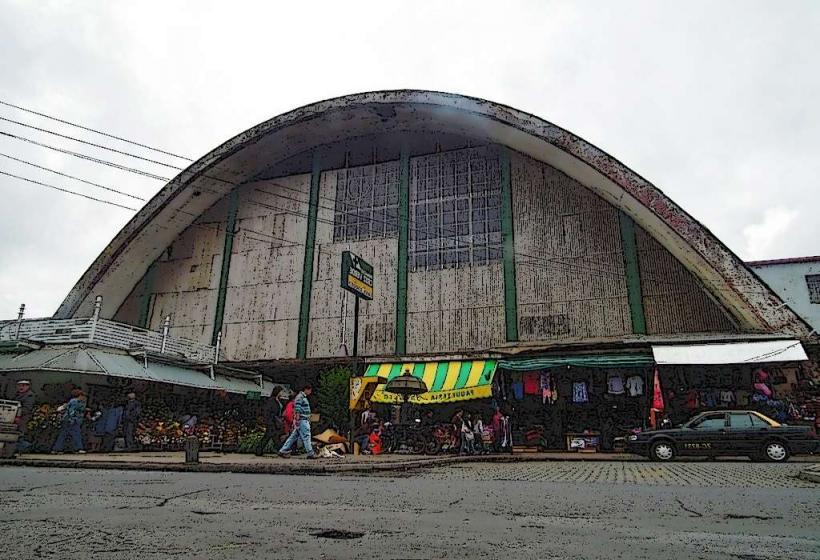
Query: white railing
{"points": [[105, 333]]}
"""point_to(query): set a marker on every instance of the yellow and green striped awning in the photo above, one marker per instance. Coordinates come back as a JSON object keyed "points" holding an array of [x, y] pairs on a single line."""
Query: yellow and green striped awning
{"points": [[446, 381]]}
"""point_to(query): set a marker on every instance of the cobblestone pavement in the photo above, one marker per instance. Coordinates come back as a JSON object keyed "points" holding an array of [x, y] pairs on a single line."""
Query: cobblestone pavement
{"points": [[713, 474]]}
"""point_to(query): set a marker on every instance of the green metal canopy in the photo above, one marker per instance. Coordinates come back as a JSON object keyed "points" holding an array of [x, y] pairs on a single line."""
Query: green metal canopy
{"points": [[588, 360]]}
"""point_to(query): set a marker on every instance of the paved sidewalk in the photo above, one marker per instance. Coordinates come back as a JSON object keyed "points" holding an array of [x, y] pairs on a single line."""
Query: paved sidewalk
{"points": [[246, 463]]}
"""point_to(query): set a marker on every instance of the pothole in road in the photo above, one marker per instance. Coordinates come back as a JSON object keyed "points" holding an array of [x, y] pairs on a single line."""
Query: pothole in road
{"points": [[337, 534]]}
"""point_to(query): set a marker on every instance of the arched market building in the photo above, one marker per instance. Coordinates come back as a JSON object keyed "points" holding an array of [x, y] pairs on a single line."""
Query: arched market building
{"points": [[514, 264]]}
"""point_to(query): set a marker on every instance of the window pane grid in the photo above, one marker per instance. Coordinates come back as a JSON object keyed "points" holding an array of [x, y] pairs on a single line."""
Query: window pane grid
{"points": [[813, 283], [367, 201], [455, 213]]}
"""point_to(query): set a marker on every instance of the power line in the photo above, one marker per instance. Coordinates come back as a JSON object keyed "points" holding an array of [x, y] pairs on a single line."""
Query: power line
{"points": [[7, 104], [68, 191], [71, 177], [129, 195], [92, 144], [87, 157]]}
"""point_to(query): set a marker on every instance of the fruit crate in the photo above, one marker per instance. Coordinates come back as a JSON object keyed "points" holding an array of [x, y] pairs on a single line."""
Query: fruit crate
{"points": [[8, 411]]}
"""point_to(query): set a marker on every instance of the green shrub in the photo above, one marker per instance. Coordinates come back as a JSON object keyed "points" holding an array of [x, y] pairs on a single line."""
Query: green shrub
{"points": [[250, 442], [333, 396]]}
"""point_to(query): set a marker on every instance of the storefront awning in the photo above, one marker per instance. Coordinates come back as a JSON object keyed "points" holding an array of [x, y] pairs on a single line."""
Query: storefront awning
{"points": [[730, 353], [587, 360], [447, 381], [96, 361]]}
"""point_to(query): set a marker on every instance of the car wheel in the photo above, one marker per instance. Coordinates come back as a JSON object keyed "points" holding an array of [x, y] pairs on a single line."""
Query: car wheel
{"points": [[662, 451], [775, 452]]}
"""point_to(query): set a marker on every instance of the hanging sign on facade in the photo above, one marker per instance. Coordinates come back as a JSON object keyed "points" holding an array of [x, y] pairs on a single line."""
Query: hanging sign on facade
{"points": [[357, 275]]}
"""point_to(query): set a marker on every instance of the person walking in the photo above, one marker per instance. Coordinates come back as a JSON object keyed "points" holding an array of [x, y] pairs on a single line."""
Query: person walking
{"points": [[108, 424], [478, 430], [301, 427], [467, 436], [26, 399], [273, 420], [72, 423], [498, 435], [130, 419]]}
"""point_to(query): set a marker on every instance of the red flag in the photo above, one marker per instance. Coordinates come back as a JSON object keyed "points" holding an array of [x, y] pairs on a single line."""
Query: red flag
{"points": [[657, 394]]}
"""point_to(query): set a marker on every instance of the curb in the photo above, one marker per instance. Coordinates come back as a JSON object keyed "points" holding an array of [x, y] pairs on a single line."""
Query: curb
{"points": [[810, 475], [299, 468]]}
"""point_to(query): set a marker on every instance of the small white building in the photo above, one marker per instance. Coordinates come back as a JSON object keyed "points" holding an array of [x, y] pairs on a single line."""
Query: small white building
{"points": [[797, 282]]}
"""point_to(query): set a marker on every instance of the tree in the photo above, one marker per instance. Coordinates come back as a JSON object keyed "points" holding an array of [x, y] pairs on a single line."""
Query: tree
{"points": [[334, 395]]}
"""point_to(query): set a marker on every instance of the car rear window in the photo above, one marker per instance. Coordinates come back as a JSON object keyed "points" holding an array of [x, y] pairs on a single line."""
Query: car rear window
{"points": [[741, 420], [758, 422]]}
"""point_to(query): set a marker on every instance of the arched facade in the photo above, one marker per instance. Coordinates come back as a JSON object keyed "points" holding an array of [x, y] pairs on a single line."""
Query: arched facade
{"points": [[488, 228]]}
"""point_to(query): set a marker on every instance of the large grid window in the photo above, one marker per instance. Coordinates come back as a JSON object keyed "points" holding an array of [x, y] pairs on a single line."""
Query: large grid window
{"points": [[455, 209], [367, 202], [813, 282]]}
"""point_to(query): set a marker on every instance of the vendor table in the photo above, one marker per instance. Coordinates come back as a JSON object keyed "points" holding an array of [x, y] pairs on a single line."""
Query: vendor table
{"points": [[588, 442]]}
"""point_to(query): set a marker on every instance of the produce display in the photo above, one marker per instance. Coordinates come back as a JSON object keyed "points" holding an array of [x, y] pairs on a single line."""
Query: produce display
{"points": [[167, 419], [221, 424]]}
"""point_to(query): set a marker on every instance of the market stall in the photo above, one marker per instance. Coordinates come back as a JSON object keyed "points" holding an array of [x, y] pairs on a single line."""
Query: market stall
{"points": [[217, 404], [770, 376], [576, 403]]}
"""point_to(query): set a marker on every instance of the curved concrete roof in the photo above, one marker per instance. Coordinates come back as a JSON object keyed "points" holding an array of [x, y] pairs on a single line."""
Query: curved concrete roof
{"points": [[124, 261]]}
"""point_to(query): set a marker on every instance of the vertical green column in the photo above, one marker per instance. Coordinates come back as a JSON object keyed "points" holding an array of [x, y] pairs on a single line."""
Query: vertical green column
{"points": [[508, 243], [404, 245], [147, 290], [633, 273], [227, 249], [307, 269]]}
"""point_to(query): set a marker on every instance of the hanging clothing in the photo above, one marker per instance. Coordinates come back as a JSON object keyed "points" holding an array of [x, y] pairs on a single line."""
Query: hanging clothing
{"points": [[580, 393], [692, 400], [548, 394], [518, 390], [727, 397], [709, 398], [634, 385], [531, 383], [615, 384], [763, 389]]}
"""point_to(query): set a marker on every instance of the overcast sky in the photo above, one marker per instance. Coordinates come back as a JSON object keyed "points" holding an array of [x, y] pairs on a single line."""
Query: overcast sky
{"points": [[716, 103]]}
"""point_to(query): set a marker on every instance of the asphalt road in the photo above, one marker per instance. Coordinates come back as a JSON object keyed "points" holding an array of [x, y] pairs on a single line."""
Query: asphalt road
{"points": [[531, 510]]}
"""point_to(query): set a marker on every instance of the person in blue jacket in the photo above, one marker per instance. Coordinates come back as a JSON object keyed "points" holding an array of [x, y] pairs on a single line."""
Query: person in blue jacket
{"points": [[301, 424], [107, 426]]}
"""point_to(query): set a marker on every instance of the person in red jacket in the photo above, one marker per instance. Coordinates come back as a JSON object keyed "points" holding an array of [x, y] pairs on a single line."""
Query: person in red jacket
{"points": [[287, 416]]}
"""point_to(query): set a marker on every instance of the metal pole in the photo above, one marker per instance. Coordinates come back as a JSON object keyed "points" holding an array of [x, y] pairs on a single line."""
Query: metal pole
{"points": [[97, 307], [95, 317], [356, 328], [20, 319], [166, 325], [218, 344]]}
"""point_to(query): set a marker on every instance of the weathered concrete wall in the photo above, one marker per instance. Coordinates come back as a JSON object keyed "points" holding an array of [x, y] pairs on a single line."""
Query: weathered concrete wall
{"points": [[261, 318], [673, 299], [331, 307], [570, 276], [455, 309], [569, 258], [185, 280]]}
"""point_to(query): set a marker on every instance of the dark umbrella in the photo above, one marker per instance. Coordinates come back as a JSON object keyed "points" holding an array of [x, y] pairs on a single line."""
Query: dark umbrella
{"points": [[406, 385]]}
